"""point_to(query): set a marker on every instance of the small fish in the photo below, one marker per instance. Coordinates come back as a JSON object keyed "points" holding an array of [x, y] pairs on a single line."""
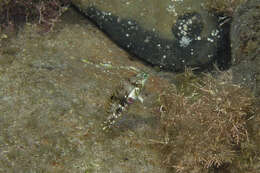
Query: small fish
{"points": [[120, 104]]}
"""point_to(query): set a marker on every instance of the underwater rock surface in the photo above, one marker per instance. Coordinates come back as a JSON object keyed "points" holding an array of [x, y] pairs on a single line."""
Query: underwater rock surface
{"points": [[245, 38], [168, 34], [53, 101]]}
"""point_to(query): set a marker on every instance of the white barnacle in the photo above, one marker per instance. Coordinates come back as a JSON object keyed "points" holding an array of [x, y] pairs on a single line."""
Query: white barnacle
{"points": [[185, 27], [185, 41], [210, 40], [189, 21], [171, 9], [215, 32], [210, 56], [183, 32], [191, 52], [147, 40], [198, 38]]}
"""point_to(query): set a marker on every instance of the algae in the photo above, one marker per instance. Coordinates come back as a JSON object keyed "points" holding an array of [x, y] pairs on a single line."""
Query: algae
{"points": [[212, 131]]}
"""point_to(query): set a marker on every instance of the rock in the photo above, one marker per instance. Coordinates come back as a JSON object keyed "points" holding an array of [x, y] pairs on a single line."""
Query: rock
{"points": [[168, 34], [53, 102], [245, 39], [60, 87]]}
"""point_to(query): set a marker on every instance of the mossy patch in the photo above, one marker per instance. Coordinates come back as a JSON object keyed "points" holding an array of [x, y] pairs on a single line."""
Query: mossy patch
{"points": [[226, 7], [206, 129]]}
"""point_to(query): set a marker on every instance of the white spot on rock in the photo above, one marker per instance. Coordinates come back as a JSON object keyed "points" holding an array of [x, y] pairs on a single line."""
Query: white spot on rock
{"points": [[185, 41]]}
